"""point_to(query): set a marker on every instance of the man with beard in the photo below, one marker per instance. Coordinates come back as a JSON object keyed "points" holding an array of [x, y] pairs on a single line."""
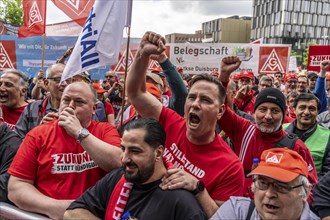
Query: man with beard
{"points": [[280, 187], [13, 88], [249, 139], [45, 110], [306, 108], [59, 160], [200, 156], [135, 187]]}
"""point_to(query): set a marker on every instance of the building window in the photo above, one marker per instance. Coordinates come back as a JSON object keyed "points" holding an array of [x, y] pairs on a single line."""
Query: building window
{"points": [[268, 20], [313, 7], [315, 20], [297, 5], [286, 17], [308, 19], [319, 7], [294, 17], [290, 5]]}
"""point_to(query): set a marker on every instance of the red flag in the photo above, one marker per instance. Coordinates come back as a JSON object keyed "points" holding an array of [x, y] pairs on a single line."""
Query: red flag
{"points": [[77, 10], [34, 18]]}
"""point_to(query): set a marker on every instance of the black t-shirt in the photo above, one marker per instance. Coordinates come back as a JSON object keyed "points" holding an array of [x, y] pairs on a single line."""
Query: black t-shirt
{"points": [[115, 101], [146, 202]]}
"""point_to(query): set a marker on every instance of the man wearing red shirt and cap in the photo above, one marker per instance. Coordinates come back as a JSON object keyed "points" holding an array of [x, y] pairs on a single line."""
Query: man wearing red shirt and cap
{"points": [[291, 81], [245, 97]]}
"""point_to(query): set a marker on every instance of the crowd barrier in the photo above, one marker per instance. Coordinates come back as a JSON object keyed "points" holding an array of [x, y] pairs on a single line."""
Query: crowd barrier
{"points": [[8, 211]]}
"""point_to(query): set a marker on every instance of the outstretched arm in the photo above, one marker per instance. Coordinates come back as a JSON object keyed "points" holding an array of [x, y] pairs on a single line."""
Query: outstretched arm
{"points": [[146, 104], [320, 88], [178, 88]]}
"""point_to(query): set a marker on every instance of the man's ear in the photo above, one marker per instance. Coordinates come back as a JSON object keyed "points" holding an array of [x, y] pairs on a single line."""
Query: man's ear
{"points": [[221, 111], [94, 108], [159, 152], [23, 91]]}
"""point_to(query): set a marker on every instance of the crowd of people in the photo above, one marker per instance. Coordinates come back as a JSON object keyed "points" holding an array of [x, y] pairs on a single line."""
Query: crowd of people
{"points": [[162, 144]]}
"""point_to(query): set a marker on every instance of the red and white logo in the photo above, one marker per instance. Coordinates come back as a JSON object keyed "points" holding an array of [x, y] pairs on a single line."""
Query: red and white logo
{"points": [[272, 64], [5, 57], [273, 158], [34, 15], [75, 9], [153, 65], [122, 62], [273, 59]]}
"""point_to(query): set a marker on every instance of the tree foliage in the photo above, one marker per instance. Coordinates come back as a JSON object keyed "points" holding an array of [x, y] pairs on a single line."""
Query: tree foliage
{"points": [[305, 61], [11, 11]]}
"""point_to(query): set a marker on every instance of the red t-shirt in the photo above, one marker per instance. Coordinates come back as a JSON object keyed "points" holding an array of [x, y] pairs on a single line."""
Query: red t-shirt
{"points": [[58, 165], [215, 163], [108, 108], [11, 116]]}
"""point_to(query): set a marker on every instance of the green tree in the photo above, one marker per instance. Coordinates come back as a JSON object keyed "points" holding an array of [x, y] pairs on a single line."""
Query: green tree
{"points": [[305, 61], [11, 11]]}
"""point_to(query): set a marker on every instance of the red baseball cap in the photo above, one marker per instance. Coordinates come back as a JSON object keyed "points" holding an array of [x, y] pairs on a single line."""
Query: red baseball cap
{"points": [[215, 73], [179, 68], [289, 76], [98, 88], [156, 70], [281, 164], [245, 74]]}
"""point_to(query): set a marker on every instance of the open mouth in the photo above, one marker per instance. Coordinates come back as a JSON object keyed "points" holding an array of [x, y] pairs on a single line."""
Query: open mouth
{"points": [[3, 98], [272, 207], [194, 119]]}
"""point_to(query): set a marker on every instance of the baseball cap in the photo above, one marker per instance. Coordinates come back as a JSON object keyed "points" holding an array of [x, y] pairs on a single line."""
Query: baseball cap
{"points": [[245, 74], [215, 73], [179, 68], [156, 78], [153, 90], [312, 75], [289, 76], [156, 70], [98, 88], [281, 164]]}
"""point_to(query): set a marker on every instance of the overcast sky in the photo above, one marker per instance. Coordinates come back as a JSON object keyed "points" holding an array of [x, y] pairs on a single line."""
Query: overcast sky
{"points": [[176, 16]]}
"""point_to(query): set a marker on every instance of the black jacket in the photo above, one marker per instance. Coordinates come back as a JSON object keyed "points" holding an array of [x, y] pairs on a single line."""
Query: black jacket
{"points": [[321, 196], [9, 143]]}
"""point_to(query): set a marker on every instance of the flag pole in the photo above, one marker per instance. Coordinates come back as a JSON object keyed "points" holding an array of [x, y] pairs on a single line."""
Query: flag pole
{"points": [[43, 55], [125, 75]]}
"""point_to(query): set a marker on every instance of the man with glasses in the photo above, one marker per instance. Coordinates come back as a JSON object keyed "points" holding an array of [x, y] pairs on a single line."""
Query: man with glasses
{"points": [[302, 84], [290, 80], [13, 88], [280, 187], [45, 110], [112, 80]]}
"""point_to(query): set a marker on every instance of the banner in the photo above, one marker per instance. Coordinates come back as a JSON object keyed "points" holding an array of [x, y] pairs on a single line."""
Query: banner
{"points": [[77, 10], [34, 18], [316, 54], [68, 29], [206, 57], [100, 38]]}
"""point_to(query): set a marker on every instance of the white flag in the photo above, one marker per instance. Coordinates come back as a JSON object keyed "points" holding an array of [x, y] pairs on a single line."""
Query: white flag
{"points": [[100, 39]]}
